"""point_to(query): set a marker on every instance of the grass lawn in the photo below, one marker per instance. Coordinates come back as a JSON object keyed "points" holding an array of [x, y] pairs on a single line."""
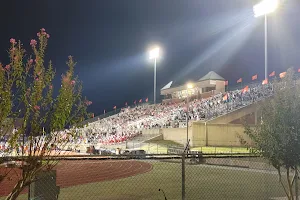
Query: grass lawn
{"points": [[221, 149], [202, 182], [158, 147]]}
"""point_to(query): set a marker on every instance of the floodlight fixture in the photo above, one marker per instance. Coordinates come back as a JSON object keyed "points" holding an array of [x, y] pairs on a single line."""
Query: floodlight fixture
{"points": [[154, 53], [265, 7]]}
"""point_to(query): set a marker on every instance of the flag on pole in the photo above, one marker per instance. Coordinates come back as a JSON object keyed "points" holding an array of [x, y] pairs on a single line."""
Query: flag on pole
{"points": [[281, 75], [254, 77], [146, 99], [264, 82], [226, 83], [126, 104], [272, 74], [246, 89], [134, 102], [140, 101], [239, 80], [115, 107], [299, 70]]}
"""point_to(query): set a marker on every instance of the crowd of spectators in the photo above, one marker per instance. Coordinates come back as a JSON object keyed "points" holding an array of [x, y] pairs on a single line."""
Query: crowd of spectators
{"points": [[220, 104], [130, 122]]}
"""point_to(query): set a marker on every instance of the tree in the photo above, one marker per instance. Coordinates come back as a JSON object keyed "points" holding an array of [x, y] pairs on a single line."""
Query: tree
{"points": [[277, 137], [26, 93]]}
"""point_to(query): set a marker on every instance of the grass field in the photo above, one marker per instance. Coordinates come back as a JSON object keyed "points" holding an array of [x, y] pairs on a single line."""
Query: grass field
{"points": [[159, 147], [221, 149], [202, 182]]}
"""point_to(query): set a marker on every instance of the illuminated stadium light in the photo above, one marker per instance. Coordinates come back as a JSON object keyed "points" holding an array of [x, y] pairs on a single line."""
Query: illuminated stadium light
{"points": [[265, 7], [154, 53], [189, 86]]}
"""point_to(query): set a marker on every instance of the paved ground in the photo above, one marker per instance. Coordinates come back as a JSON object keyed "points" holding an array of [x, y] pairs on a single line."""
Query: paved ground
{"points": [[72, 173]]}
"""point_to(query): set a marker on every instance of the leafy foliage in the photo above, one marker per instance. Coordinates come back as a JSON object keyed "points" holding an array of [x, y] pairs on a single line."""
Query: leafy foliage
{"points": [[26, 93], [277, 137]]}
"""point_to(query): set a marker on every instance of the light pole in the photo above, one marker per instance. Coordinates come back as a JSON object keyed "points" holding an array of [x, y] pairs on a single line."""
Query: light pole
{"points": [[154, 54], [263, 9], [188, 87]]}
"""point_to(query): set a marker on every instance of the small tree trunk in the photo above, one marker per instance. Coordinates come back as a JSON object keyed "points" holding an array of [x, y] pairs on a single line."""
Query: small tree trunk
{"points": [[296, 183], [290, 185], [16, 191]]}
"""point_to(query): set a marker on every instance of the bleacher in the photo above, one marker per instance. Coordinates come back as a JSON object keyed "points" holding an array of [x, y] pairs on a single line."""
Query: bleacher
{"points": [[129, 122]]}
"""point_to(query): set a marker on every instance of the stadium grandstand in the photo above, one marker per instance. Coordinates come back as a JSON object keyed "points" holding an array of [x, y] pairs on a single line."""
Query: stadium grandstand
{"points": [[208, 100]]}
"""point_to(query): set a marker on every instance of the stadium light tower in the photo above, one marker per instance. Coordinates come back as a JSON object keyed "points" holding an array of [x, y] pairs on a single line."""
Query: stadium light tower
{"points": [[264, 8], [154, 55], [188, 87]]}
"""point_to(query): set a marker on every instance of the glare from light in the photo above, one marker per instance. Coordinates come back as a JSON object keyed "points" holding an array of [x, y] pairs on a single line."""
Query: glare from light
{"points": [[154, 53], [225, 47], [189, 86], [265, 7]]}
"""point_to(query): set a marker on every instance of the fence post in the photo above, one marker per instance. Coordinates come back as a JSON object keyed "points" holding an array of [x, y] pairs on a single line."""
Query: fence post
{"points": [[296, 183], [28, 195], [183, 177]]}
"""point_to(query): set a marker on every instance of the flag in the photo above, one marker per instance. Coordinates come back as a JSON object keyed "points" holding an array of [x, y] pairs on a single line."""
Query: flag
{"points": [[254, 77], [281, 75], [299, 70], [265, 82], [226, 83], [140, 101], [272, 74], [126, 104], [115, 107], [134, 102], [225, 97], [240, 80], [146, 99], [246, 89]]}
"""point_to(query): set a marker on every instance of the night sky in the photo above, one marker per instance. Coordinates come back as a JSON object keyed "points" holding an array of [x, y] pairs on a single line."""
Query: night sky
{"points": [[109, 40]]}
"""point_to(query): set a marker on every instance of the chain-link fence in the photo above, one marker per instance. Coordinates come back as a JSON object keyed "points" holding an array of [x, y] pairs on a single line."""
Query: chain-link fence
{"points": [[141, 176]]}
